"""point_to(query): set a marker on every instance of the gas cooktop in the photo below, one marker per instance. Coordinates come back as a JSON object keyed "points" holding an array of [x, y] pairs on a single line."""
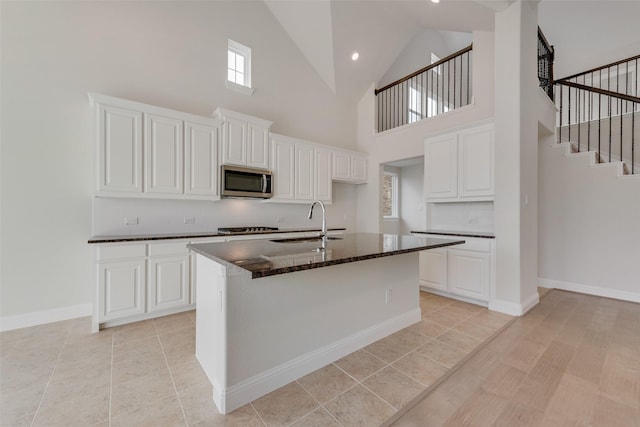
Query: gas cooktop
{"points": [[238, 230]]}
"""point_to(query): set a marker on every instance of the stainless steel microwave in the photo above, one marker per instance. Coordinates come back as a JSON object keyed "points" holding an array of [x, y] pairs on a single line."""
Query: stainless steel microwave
{"points": [[239, 181]]}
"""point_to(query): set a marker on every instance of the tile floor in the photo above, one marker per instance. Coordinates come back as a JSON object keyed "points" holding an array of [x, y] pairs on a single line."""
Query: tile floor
{"points": [[146, 373]]}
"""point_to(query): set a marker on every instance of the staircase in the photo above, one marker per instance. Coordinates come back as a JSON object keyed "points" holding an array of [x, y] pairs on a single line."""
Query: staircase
{"points": [[599, 114]]}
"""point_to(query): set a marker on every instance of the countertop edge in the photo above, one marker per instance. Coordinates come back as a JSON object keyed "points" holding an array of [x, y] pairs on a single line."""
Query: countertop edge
{"points": [[303, 267], [155, 237], [479, 235]]}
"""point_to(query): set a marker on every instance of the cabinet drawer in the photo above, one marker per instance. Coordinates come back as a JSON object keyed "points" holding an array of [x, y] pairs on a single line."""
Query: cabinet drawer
{"points": [[121, 251], [172, 248]]}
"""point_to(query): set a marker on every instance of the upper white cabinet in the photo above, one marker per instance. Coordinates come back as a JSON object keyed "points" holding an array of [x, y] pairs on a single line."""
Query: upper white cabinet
{"points": [[150, 152], [164, 148], [201, 158], [301, 170], [119, 136], [349, 167], [245, 139], [460, 165]]}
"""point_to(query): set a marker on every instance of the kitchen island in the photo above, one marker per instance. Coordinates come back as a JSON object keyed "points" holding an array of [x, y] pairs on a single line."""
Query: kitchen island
{"points": [[270, 311]]}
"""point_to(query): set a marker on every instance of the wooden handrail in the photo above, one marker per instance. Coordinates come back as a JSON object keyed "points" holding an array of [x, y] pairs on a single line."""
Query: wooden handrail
{"points": [[613, 64], [427, 68], [600, 91]]}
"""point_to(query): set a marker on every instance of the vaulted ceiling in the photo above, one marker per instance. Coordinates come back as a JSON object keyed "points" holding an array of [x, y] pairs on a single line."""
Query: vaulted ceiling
{"points": [[327, 32]]}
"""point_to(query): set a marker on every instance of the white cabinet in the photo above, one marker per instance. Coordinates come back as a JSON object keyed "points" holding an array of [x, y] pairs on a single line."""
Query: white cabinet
{"points": [[141, 280], [146, 151], [433, 269], [121, 287], [460, 165], [349, 167], [322, 184], [201, 159], [163, 148], [459, 271], [245, 139], [168, 282], [301, 170], [304, 172], [119, 156], [469, 273]]}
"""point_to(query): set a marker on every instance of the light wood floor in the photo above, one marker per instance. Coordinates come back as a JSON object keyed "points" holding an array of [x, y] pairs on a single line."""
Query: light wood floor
{"points": [[574, 360]]}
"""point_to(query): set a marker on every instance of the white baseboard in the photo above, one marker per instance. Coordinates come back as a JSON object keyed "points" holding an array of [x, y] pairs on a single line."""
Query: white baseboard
{"points": [[512, 308], [590, 290], [35, 318], [274, 378]]}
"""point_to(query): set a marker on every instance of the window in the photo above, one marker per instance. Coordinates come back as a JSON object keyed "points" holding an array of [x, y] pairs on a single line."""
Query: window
{"points": [[239, 64], [390, 195]]}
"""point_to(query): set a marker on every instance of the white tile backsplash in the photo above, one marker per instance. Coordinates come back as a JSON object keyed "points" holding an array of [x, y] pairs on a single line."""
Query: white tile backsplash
{"points": [[463, 216]]}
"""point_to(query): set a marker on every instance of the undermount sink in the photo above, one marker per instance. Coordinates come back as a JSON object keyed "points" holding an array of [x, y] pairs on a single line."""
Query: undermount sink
{"points": [[304, 239]]}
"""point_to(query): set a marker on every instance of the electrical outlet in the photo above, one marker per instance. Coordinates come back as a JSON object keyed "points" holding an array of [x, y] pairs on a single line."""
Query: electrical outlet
{"points": [[131, 220], [189, 220]]}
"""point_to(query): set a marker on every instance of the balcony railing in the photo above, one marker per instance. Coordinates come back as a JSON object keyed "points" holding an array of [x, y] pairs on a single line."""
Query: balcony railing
{"points": [[438, 88], [546, 55]]}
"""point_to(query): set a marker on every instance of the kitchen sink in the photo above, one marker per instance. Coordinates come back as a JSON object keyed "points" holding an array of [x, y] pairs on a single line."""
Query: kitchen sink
{"points": [[304, 239]]}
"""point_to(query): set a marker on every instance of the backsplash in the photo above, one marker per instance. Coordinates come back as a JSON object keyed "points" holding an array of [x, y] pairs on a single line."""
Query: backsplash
{"points": [[462, 216], [145, 216]]}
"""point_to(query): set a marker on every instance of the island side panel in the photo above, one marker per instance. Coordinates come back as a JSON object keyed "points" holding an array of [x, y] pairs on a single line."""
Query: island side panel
{"points": [[211, 324], [285, 326]]}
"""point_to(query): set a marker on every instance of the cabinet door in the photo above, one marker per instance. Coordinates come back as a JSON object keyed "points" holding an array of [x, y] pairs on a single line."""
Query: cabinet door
{"points": [[283, 168], [440, 167], [322, 181], [234, 142], [201, 154], [163, 149], [304, 173], [358, 168], [475, 162], [341, 165], [469, 274], [168, 284], [258, 147], [433, 269], [120, 150], [122, 289]]}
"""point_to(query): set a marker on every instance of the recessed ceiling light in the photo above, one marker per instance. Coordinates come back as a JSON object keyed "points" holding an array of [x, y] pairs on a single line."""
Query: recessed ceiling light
{"points": [[355, 56], [435, 1]]}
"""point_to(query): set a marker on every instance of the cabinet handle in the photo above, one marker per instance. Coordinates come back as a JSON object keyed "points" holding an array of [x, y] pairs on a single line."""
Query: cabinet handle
{"points": [[264, 183]]}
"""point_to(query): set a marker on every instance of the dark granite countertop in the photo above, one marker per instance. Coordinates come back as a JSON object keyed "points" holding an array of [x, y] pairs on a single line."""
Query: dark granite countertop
{"points": [[195, 235], [265, 257], [480, 234]]}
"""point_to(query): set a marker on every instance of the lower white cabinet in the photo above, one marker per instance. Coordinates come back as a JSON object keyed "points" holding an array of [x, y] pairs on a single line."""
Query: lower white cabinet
{"points": [[141, 280], [121, 288], [469, 273], [461, 270], [168, 283]]}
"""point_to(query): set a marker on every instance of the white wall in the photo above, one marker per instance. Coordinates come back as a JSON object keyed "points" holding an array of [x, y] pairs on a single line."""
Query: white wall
{"points": [[412, 207], [463, 216], [171, 54], [417, 53], [588, 226], [408, 141]]}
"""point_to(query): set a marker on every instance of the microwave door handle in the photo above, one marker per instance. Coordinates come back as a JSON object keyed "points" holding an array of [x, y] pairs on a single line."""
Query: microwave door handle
{"points": [[264, 183]]}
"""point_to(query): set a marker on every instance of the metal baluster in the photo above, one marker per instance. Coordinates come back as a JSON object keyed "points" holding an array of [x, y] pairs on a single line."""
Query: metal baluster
{"points": [[469, 78], [454, 83], [560, 130], [610, 118], [633, 136], [569, 116], [599, 118], [578, 92], [590, 117]]}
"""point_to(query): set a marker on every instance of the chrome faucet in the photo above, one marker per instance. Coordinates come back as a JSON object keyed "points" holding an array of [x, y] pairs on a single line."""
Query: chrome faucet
{"points": [[323, 233]]}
